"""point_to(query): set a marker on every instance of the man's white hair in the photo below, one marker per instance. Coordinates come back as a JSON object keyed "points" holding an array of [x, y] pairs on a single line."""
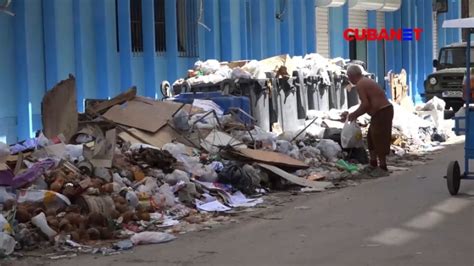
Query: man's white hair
{"points": [[354, 70]]}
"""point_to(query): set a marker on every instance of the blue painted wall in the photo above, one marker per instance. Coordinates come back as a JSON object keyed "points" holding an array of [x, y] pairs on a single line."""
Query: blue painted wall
{"points": [[48, 39]]}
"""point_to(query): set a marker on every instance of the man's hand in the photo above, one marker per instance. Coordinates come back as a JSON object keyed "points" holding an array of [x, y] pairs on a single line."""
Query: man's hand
{"points": [[352, 117], [344, 116]]}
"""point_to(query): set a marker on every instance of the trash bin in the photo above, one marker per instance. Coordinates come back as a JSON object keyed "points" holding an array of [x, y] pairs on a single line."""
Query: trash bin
{"points": [[287, 104], [337, 93], [318, 94], [258, 93], [301, 94]]}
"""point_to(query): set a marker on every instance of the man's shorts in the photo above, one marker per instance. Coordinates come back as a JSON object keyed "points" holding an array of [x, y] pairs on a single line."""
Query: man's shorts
{"points": [[379, 136]]}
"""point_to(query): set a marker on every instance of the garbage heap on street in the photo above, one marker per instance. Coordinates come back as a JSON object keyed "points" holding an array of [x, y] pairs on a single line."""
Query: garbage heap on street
{"points": [[133, 170]]}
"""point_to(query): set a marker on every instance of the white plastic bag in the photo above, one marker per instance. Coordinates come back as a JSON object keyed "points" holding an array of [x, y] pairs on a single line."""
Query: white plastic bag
{"points": [[7, 244], [329, 149], [151, 238], [351, 136]]}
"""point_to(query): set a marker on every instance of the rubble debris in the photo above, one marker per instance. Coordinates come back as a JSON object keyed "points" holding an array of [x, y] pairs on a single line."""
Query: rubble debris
{"points": [[59, 110]]}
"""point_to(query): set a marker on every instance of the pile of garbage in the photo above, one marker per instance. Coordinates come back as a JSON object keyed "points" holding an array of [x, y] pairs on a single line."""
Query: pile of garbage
{"points": [[132, 170], [311, 65]]}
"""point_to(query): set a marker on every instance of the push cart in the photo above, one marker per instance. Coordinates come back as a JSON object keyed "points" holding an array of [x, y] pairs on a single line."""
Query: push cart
{"points": [[454, 175]]}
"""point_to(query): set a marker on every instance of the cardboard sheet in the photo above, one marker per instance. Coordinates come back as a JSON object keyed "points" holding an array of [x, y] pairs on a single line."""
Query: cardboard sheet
{"points": [[315, 185], [119, 99], [148, 116], [59, 110], [272, 158]]}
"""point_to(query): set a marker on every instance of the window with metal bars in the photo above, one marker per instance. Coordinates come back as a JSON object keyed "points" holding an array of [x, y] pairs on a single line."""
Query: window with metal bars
{"points": [[136, 26], [187, 16], [160, 29]]}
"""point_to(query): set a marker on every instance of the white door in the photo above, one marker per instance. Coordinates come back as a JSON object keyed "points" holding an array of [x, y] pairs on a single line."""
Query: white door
{"points": [[322, 31]]}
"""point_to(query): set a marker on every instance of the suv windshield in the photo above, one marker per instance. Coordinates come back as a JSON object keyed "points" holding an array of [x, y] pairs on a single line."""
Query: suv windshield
{"points": [[454, 57]]}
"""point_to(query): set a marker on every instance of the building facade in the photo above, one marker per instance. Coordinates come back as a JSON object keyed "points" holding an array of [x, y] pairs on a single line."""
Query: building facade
{"points": [[111, 45]]}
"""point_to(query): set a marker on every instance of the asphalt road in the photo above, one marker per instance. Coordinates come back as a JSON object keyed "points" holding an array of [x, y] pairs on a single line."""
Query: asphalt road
{"points": [[404, 219]]}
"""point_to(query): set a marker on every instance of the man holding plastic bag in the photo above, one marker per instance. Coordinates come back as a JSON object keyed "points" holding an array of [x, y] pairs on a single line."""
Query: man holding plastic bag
{"points": [[374, 103]]}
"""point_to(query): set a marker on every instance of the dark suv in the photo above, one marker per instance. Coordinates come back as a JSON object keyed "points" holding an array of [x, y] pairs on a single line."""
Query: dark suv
{"points": [[446, 82]]}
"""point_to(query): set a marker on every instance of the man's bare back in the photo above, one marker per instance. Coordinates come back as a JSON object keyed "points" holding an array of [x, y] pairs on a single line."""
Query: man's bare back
{"points": [[371, 94]]}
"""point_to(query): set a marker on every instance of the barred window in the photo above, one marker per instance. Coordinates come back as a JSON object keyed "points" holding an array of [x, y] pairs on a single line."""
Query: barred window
{"points": [[160, 29], [136, 25]]}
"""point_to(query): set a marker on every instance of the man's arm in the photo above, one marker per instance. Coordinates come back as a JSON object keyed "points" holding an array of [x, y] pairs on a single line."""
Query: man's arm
{"points": [[364, 101]]}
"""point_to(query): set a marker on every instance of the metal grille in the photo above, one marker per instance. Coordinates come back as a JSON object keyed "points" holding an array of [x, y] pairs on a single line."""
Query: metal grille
{"points": [[186, 15], [322, 31], [358, 19], [160, 29], [136, 25], [453, 82]]}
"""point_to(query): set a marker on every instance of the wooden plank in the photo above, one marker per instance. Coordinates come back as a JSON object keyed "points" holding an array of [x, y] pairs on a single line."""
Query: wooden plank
{"points": [[315, 185]]}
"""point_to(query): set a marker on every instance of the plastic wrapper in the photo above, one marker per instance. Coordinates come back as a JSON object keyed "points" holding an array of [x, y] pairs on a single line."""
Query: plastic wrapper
{"points": [[176, 149], [217, 166], [225, 72], [5, 226], [144, 238], [180, 120], [5, 195], [7, 244], [167, 193], [132, 199], [283, 146], [209, 66], [148, 187], [23, 146], [329, 149], [177, 176], [32, 173], [238, 73], [49, 198]]}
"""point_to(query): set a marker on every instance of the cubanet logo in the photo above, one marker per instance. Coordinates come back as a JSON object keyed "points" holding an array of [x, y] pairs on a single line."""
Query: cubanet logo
{"points": [[407, 34]]}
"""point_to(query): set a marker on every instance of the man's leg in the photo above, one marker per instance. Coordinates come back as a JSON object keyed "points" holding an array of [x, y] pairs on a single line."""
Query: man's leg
{"points": [[370, 144], [383, 162], [385, 131]]}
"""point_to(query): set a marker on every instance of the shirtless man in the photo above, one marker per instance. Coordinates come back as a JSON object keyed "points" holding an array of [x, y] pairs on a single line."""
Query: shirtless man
{"points": [[373, 102]]}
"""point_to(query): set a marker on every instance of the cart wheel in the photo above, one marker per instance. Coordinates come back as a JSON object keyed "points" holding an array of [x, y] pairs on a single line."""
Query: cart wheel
{"points": [[453, 178]]}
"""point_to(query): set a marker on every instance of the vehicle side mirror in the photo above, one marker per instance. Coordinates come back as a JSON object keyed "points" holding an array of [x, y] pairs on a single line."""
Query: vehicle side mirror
{"points": [[435, 63]]}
